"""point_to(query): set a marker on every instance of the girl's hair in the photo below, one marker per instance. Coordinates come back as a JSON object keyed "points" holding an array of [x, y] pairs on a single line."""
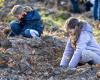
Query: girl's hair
{"points": [[74, 23], [18, 9], [71, 23]]}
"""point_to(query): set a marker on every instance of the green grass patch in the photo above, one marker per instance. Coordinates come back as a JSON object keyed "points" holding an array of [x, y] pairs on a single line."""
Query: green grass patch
{"points": [[58, 19], [1, 3], [97, 34]]}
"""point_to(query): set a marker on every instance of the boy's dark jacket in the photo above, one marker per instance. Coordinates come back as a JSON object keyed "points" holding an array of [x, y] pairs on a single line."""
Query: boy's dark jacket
{"points": [[32, 21]]}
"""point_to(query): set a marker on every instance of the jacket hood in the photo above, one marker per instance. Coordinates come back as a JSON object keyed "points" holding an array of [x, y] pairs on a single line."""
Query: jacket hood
{"points": [[87, 27], [33, 15]]}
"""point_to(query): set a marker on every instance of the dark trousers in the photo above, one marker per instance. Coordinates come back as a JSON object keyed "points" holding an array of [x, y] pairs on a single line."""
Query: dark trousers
{"points": [[96, 10], [75, 6], [17, 30]]}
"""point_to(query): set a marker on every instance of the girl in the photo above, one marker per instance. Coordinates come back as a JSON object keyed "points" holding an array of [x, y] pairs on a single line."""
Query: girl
{"points": [[81, 46]]}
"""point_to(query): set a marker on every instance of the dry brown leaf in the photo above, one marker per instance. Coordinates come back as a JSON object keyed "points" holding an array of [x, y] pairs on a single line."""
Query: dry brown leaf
{"points": [[98, 65], [2, 62], [11, 63]]}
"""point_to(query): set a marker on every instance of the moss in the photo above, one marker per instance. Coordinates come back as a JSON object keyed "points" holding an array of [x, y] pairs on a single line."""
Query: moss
{"points": [[57, 18], [1, 3], [97, 34]]}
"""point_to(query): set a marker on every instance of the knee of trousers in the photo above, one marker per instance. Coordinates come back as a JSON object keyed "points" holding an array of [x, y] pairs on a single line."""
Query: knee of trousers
{"points": [[27, 33], [14, 23], [15, 27]]}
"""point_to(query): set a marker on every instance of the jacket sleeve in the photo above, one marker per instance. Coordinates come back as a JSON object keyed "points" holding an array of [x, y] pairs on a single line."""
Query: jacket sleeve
{"points": [[81, 45], [68, 49], [38, 25], [36, 15], [68, 52]]}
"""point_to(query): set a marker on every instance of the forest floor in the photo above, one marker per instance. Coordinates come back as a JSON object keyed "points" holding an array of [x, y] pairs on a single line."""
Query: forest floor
{"points": [[29, 59]]}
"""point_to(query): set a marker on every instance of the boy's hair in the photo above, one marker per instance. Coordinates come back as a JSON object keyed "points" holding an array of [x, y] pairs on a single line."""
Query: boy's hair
{"points": [[18, 9]]}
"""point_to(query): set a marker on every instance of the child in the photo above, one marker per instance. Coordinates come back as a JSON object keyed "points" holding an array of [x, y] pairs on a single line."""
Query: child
{"points": [[28, 22], [81, 46]]}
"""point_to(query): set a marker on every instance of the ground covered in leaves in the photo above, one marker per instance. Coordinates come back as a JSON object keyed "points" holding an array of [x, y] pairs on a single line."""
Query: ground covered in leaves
{"points": [[29, 59]]}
